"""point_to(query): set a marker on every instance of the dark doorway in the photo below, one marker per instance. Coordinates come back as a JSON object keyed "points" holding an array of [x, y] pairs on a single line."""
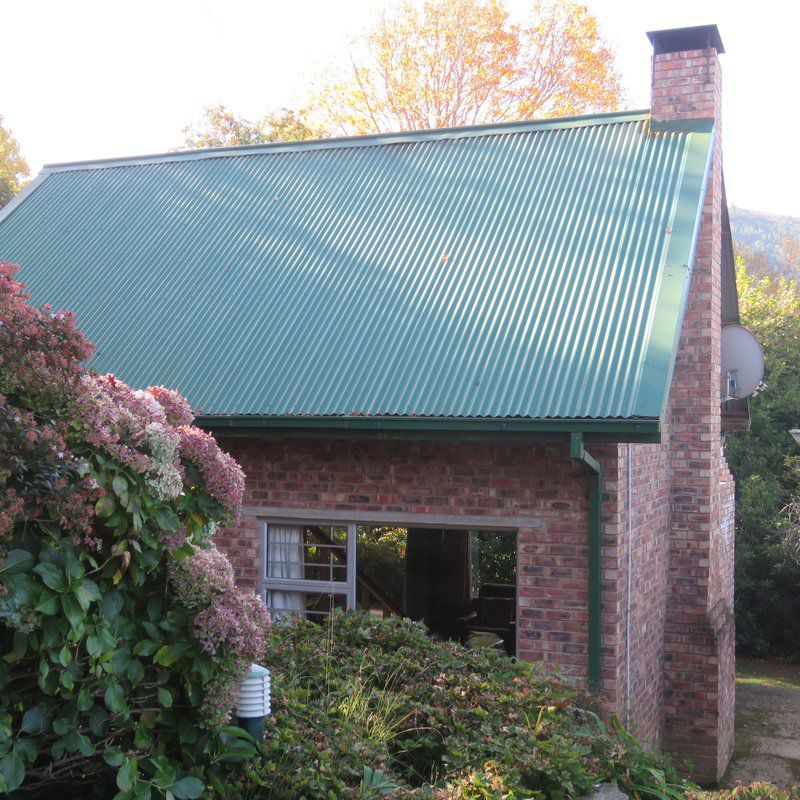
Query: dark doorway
{"points": [[460, 583]]}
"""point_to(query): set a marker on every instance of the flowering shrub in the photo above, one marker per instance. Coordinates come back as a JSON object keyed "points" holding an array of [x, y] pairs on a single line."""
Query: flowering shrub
{"points": [[123, 635]]}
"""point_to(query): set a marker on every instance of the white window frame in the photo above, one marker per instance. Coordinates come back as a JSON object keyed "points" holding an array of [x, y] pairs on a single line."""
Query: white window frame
{"points": [[346, 587]]}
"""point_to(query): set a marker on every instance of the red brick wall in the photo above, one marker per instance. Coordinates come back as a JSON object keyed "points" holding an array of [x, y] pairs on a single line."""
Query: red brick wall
{"points": [[536, 489], [699, 682], [649, 555]]}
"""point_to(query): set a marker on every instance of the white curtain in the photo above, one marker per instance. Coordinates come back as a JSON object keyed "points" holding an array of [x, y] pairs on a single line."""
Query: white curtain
{"points": [[285, 560]]}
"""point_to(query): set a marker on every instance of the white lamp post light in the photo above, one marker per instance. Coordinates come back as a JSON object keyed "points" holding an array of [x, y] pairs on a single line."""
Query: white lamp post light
{"points": [[796, 433], [253, 702]]}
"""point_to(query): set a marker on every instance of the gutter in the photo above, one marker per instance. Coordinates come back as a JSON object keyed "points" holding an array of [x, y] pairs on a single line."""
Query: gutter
{"points": [[637, 429], [578, 453]]}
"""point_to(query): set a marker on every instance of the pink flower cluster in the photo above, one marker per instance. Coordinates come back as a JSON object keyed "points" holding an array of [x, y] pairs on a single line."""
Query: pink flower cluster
{"points": [[232, 629], [230, 625], [40, 352], [223, 477], [131, 427], [197, 580], [176, 407]]}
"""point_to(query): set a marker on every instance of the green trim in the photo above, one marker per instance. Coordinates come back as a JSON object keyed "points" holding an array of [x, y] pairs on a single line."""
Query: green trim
{"points": [[372, 140], [578, 453], [628, 427], [664, 336], [700, 125]]}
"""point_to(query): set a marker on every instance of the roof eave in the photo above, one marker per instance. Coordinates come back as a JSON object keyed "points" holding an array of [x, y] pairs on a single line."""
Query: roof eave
{"points": [[623, 430]]}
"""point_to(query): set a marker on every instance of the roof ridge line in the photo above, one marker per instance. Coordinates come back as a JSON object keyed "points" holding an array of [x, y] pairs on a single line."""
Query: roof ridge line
{"points": [[369, 140]]}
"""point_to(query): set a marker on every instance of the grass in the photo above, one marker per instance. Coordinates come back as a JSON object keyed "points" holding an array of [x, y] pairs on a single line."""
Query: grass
{"points": [[776, 674]]}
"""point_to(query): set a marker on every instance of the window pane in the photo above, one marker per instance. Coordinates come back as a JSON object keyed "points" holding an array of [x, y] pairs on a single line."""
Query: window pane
{"points": [[307, 552], [309, 605]]}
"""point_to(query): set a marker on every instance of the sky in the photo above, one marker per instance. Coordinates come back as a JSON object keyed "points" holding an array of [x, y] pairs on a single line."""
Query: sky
{"points": [[86, 79]]}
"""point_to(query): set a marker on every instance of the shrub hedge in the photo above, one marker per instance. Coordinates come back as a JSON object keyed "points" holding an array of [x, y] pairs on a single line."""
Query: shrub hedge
{"points": [[368, 708]]}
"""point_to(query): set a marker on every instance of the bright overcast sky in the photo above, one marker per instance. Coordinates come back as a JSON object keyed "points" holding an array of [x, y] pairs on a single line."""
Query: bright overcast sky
{"points": [[90, 79]]}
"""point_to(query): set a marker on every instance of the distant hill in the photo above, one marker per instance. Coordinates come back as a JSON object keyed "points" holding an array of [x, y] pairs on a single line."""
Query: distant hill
{"points": [[762, 233]]}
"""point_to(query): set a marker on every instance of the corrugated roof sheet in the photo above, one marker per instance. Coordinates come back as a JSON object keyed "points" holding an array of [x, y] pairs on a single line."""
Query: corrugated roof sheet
{"points": [[531, 270]]}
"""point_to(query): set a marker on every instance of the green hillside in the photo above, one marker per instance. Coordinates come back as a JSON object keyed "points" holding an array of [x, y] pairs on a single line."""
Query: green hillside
{"points": [[761, 232]]}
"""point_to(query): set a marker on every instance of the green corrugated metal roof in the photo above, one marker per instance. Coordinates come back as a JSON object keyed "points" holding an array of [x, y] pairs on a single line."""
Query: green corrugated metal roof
{"points": [[531, 270]]}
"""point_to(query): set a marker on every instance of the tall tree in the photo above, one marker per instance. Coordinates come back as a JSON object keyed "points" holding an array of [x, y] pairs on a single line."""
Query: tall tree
{"points": [[14, 168], [220, 127], [462, 62]]}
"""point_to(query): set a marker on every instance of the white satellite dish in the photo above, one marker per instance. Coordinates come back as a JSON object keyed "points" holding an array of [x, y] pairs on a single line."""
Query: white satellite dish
{"points": [[742, 363]]}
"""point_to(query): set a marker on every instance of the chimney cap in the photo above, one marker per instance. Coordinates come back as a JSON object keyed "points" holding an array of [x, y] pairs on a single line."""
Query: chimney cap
{"points": [[674, 40]]}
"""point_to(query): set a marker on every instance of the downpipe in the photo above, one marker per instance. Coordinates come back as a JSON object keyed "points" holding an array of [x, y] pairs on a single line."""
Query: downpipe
{"points": [[578, 453]]}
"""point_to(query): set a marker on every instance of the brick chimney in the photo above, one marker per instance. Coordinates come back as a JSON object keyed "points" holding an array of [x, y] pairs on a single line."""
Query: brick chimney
{"points": [[687, 82], [699, 628]]}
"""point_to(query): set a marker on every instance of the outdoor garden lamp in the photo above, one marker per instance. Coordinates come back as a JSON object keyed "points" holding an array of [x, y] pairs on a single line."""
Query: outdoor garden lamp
{"points": [[796, 434], [253, 702]]}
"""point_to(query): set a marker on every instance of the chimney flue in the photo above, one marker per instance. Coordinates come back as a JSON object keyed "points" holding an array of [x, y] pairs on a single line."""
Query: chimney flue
{"points": [[675, 40]]}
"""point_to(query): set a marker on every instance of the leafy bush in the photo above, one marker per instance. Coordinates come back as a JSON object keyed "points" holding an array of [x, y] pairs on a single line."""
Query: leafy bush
{"points": [[123, 637], [765, 462], [368, 708]]}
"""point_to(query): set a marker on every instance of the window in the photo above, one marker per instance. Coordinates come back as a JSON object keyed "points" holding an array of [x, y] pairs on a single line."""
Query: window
{"points": [[308, 569]]}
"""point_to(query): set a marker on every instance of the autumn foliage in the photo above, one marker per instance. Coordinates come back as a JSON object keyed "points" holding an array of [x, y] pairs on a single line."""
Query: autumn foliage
{"points": [[463, 62]]}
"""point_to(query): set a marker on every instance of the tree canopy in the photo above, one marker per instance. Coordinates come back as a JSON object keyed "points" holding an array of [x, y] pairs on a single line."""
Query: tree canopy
{"points": [[464, 62], [220, 127], [440, 64], [13, 167]]}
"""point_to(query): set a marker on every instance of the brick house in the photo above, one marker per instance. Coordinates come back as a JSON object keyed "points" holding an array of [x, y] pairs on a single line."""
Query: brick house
{"points": [[511, 330]]}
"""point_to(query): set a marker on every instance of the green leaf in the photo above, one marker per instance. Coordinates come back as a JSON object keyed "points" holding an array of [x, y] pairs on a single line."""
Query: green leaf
{"points": [[48, 603], [72, 610], [167, 519], [27, 749], [51, 575], [169, 654], [182, 552], [135, 671], [65, 656], [114, 698], [62, 726], [35, 720], [142, 791], [145, 648], [86, 592], [120, 660], [111, 604], [142, 738], [15, 562], [85, 699], [84, 745], [105, 506], [113, 756], [164, 697], [119, 485], [12, 770], [188, 788], [126, 775]]}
